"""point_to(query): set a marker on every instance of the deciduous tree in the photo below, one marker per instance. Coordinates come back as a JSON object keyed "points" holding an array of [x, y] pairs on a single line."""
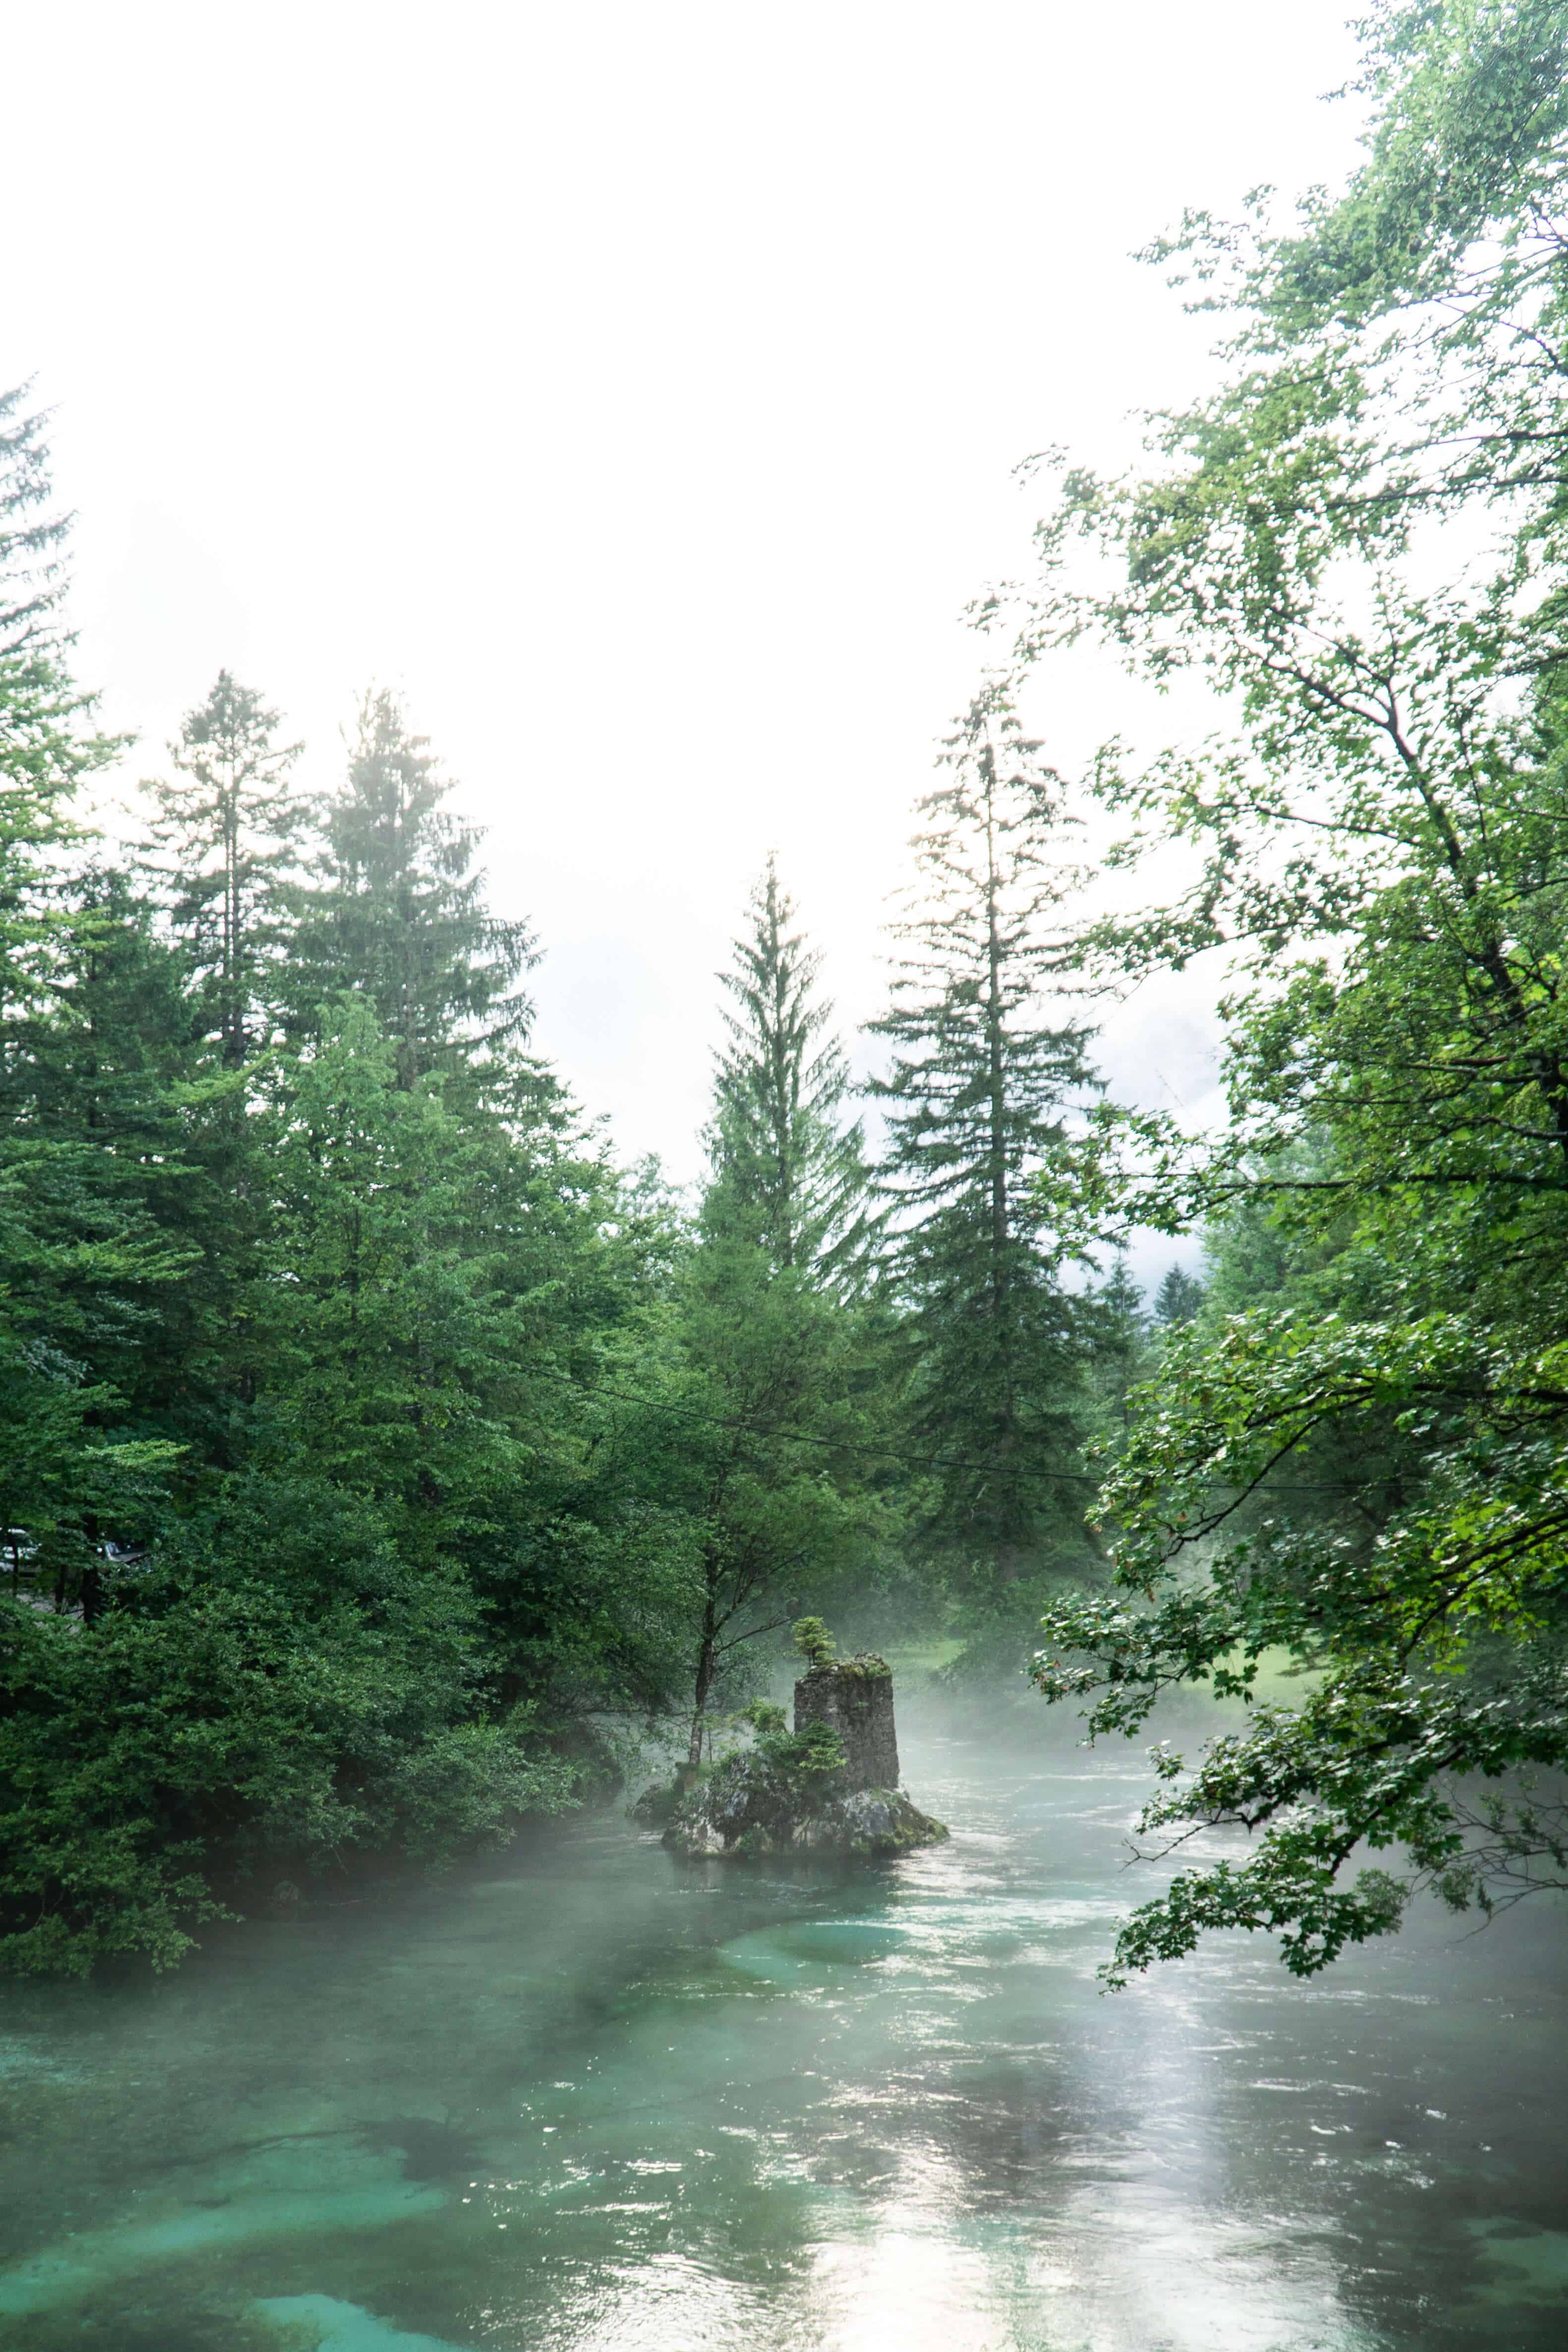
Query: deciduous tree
{"points": [[1381, 867]]}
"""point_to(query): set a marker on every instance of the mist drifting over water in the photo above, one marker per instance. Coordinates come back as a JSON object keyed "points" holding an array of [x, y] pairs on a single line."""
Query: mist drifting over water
{"points": [[585, 2097]]}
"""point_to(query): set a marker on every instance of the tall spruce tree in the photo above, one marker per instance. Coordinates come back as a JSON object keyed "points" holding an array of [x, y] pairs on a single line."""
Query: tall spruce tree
{"points": [[47, 745], [226, 833], [79, 1254], [95, 1096], [974, 1100], [399, 910], [224, 836], [89, 1154], [789, 1168]]}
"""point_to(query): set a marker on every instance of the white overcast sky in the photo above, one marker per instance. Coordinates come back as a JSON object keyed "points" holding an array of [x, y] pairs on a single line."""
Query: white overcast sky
{"points": [[637, 387]]}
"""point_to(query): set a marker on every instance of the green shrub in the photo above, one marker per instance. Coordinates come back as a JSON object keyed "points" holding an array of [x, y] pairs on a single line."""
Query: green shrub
{"points": [[214, 1722], [810, 1754]]}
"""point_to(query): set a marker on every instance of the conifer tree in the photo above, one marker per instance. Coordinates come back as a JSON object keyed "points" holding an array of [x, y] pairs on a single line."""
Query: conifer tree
{"points": [[399, 911], [226, 833], [94, 1102], [79, 1254], [1117, 1325], [47, 746], [975, 1101], [224, 837], [1178, 1299], [789, 1168]]}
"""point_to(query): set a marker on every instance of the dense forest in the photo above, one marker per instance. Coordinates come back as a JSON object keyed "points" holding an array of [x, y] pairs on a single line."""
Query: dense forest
{"points": [[375, 1445], [373, 1442]]}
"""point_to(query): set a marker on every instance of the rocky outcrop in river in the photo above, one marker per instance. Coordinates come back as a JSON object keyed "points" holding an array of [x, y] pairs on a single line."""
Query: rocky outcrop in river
{"points": [[854, 1697], [829, 1788]]}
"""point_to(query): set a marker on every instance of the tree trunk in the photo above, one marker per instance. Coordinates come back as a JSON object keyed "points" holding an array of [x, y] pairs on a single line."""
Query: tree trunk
{"points": [[705, 1665]]}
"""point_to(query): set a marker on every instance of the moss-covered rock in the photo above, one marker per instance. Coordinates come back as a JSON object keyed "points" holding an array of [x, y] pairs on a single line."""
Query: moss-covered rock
{"points": [[753, 1806], [853, 1697]]}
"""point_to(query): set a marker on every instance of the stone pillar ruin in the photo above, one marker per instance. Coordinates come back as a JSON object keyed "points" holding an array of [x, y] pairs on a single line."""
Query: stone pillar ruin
{"points": [[855, 1698]]}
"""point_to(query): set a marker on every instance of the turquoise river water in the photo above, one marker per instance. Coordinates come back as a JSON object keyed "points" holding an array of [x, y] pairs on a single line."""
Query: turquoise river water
{"points": [[586, 2100]]}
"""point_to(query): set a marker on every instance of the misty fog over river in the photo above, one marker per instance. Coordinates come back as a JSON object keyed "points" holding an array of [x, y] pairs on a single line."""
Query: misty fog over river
{"points": [[581, 2096]]}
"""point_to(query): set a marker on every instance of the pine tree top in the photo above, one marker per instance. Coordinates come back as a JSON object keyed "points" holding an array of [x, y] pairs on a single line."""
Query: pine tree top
{"points": [[789, 1170]]}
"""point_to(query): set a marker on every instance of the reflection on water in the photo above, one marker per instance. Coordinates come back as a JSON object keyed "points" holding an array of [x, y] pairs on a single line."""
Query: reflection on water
{"points": [[594, 2103]]}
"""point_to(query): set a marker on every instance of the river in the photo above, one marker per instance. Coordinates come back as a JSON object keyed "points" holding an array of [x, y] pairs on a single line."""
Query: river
{"points": [[586, 2100]]}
